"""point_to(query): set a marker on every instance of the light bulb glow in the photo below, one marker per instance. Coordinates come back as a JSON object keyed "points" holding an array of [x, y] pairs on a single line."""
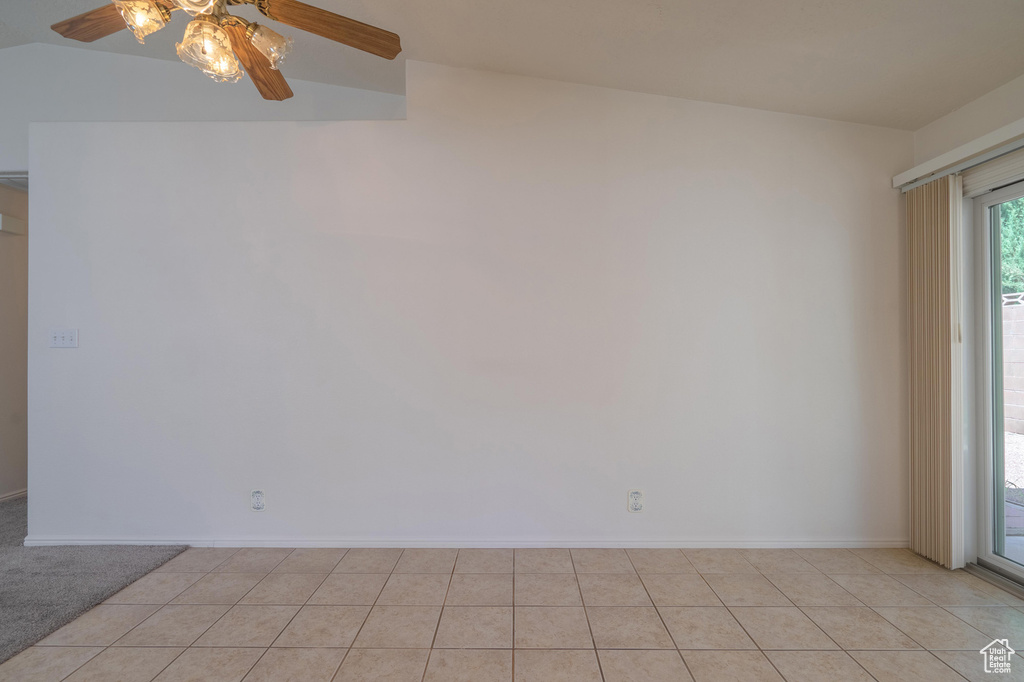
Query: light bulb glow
{"points": [[272, 45], [142, 17], [207, 47], [195, 7]]}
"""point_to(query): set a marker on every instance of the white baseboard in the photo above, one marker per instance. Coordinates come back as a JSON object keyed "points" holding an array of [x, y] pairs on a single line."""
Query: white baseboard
{"points": [[44, 541], [13, 495]]}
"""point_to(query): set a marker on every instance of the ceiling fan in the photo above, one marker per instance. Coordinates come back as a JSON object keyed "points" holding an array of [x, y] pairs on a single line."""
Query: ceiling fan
{"points": [[216, 41]]}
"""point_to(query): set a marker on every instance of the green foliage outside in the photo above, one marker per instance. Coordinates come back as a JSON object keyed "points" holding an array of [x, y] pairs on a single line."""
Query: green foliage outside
{"points": [[1011, 222]]}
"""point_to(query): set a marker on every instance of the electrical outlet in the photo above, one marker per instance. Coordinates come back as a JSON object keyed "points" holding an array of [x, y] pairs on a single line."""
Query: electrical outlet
{"points": [[258, 500], [635, 501], [64, 338]]}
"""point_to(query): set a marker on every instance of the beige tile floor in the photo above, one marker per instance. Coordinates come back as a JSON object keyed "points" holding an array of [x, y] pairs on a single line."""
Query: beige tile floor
{"points": [[428, 615]]}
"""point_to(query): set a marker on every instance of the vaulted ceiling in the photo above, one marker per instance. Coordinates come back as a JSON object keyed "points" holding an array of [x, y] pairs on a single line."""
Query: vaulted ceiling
{"points": [[897, 63]]}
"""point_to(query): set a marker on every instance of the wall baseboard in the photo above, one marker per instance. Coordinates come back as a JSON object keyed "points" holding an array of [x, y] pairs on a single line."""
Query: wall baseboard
{"points": [[44, 541], [13, 495]]}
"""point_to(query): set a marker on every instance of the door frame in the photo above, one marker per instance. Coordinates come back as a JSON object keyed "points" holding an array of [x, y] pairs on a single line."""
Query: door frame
{"points": [[988, 381]]}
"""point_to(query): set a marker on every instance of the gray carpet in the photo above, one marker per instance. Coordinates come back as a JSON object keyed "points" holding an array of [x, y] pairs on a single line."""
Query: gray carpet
{"points": [[13, 522], [44, 588]]}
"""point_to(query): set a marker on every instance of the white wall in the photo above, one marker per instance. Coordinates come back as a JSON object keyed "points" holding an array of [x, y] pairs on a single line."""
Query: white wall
{"points": [[991, 111], [13, 350], [54, 83], [481, 325]]}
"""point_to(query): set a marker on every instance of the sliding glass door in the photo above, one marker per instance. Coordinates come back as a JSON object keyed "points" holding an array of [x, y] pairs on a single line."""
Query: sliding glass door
{"points": [[1000, 216]]}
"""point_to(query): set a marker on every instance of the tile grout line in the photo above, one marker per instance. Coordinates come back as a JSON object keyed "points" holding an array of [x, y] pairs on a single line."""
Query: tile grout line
{"points": [[86, 662], [947, 608], [719, 598], [872, 609], [437, 626], [912, 639], [586, 614], [297, 611], [847, 651], [220, 563], [159, 608], [801, 609], [255, 662], [893, 625], [823, 575], [169, 664], [367, 617], [107, 601], [237, 602], [754, 641], [360, 629], [742, 627], [858, 663], [230, 607], [658, 611], [931, 603], [841, 647], [515, 556], [187, 646], [349, 649]]}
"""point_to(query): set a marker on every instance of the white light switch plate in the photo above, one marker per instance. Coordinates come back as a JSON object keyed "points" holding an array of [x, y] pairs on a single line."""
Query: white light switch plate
{"points": [[64, 338]]}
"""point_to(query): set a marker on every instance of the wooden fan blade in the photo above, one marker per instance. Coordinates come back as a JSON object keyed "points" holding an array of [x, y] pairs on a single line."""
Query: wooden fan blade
{"points": [[332, 26], [268, 81], [92, 25]]}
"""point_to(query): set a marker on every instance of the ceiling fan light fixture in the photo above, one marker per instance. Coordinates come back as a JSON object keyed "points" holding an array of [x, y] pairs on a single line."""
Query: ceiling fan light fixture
{"points": [[195, 7], [142, 17], [222, 45], [207, 47], [271, 44]]}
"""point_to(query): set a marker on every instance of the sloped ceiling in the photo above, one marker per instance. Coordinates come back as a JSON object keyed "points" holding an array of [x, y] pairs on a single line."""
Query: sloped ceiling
{"points": [[896, 63]]}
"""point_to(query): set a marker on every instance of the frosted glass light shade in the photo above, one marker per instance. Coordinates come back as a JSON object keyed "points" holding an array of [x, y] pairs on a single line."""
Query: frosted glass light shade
{"points": [[142, 16], [195, 7], [272, 44], [207, 47]]}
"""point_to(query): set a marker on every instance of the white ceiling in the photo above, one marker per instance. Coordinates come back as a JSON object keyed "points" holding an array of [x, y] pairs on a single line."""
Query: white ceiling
{"points": [[898, 63]]}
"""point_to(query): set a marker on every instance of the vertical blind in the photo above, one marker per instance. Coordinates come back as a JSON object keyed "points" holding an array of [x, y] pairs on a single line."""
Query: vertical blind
{"points": [[933, 302]]}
